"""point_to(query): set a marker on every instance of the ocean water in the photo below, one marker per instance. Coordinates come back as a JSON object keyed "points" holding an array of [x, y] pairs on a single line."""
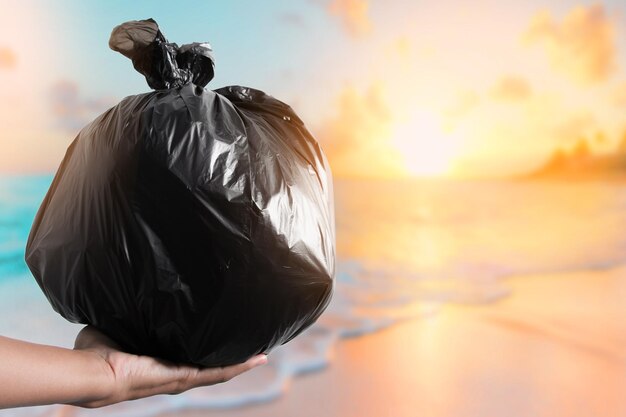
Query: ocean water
{"points": [[404, 249]]}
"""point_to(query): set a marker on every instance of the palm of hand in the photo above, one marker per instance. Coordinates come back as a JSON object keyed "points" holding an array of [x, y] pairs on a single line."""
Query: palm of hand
{"points": [[131, 376]]}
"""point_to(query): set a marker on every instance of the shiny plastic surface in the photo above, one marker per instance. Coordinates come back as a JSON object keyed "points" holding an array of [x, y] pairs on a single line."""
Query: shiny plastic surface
{"points": [[189, 224]]}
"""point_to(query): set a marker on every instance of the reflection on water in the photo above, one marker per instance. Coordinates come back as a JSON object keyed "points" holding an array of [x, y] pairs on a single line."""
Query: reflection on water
{"points": [[404, 248], [474, 233]]}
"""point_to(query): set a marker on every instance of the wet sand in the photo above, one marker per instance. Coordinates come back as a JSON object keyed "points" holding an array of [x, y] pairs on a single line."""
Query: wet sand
{"points": [[555, 347]]}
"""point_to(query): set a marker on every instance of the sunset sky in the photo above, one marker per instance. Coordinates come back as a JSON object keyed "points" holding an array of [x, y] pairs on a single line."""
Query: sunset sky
{"points": [[390, 88]]}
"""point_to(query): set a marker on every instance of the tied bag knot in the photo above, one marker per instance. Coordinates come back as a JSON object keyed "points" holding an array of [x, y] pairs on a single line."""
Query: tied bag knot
{"points": [[164, 64]]}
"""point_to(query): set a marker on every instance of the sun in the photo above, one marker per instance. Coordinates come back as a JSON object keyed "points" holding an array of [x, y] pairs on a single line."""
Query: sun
{"points": [[428, 150]]}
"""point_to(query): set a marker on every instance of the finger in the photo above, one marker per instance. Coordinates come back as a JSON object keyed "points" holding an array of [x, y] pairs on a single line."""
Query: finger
{"points": [[178, 379], [212, 376]]}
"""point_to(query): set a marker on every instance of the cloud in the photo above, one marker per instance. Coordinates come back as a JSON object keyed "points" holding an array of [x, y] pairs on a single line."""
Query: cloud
{"points": [[574, 127], [511, 88], [618, 96], [292, 19], [582, 46], [357, 140], [8, 59], [402, 46], [399, 56], [71, 111], [353, 14], [463, 103]]}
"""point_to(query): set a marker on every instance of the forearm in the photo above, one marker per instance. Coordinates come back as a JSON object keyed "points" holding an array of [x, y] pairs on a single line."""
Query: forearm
{"points": [[32, 374]]}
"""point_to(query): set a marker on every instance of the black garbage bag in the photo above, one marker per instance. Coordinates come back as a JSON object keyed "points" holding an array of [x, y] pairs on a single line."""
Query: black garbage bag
{"points": [[188, 224]]}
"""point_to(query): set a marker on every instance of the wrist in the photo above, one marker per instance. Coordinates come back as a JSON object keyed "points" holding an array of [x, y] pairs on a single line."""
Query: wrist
{"points": [[99, 380]]}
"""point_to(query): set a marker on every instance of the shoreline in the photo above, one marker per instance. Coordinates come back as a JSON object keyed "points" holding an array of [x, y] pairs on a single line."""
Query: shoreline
{"points": [[555, 346]]}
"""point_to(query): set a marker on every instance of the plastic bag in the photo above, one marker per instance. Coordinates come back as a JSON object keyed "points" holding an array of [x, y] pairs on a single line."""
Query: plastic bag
{"points": [[188, 224]]}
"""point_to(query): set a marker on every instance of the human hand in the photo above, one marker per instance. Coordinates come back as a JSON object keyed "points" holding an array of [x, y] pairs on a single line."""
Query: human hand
{"points": [[131, 376]]}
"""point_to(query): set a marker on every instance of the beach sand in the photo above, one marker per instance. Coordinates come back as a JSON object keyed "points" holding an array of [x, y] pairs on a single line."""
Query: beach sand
{"points": [[555, 347]]}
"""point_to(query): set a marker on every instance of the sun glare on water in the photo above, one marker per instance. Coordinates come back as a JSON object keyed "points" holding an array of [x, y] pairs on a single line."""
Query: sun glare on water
{"points": [[428, 150]]}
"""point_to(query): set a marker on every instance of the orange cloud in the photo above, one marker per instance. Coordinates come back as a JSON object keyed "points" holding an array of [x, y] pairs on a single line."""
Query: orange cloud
{"points": [[353, 14], [464, 102], [511, 88], [574, 127], [619, 95], [402, 47], [399, 54], [582, 46], [357, 140], [8, 59]]}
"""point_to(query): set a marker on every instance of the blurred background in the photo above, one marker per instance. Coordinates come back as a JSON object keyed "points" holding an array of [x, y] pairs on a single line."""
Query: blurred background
{"points": [[479, 156]]}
